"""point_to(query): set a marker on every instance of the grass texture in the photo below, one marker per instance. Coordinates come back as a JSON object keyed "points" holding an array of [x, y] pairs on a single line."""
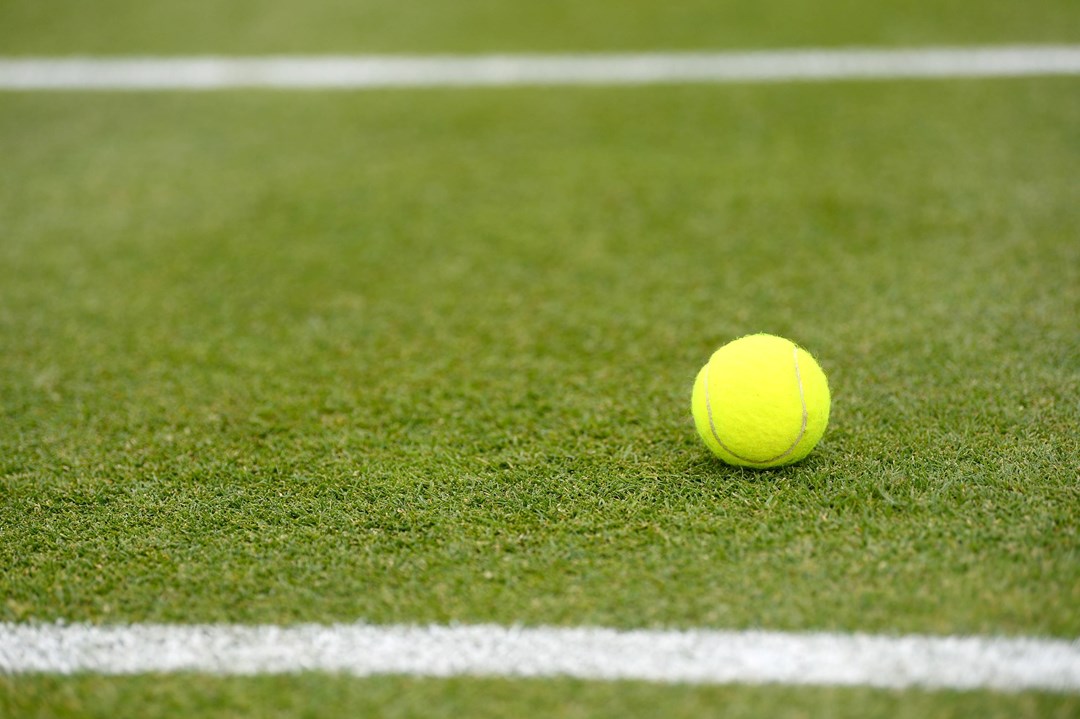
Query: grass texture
{"points": [[313, 695], [70, 27], [428, 356]]}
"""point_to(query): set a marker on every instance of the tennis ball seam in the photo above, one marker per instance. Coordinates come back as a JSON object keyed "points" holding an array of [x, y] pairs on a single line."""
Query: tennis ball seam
{"points": [[782, 455]]}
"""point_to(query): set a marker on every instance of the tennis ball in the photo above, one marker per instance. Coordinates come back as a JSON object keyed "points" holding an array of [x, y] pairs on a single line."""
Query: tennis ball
{"points": [[761, 401]]}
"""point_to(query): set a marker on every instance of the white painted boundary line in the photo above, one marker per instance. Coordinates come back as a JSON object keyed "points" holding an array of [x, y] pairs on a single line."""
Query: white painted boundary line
{"points": [[359, 72], [693, 656]]}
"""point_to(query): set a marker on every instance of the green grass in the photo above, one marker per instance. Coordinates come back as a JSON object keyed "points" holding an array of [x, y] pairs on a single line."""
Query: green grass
{"points": [[427, 356], [313, 695], [67, 27]]}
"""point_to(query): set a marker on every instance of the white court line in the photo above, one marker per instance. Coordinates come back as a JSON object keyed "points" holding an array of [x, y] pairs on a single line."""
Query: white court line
{"points": [[692, 656], [373, 71]]}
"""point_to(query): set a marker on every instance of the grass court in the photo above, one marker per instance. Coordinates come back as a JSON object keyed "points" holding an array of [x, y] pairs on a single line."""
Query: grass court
{"points": [[425, 356]]}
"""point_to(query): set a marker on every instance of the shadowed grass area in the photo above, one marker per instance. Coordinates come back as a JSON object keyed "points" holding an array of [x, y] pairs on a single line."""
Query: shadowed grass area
{"points": [[427, 356]]}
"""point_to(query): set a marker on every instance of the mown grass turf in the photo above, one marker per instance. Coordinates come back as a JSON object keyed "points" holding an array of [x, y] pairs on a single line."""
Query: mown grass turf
{"points": [[68, 27], [410, 357], [322, 695]]}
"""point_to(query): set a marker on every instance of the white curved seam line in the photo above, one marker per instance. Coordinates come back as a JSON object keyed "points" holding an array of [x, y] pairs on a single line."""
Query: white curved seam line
{"points": [[802, 401], [785, 453]]}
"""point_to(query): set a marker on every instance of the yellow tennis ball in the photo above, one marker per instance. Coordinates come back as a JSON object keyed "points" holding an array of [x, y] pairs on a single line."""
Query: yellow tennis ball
{"points": [[761, 401]]}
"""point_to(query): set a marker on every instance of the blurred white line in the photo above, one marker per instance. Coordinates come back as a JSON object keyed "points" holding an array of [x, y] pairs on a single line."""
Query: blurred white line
{"points": [[358, 72], [693, 656]]}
